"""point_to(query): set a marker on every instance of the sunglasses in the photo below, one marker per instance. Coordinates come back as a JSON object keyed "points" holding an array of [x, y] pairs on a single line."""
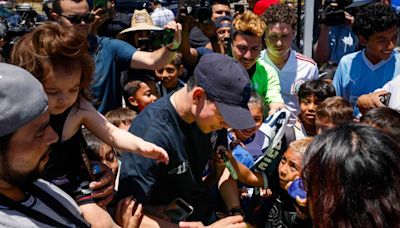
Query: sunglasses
{"points": [[77, 19]]}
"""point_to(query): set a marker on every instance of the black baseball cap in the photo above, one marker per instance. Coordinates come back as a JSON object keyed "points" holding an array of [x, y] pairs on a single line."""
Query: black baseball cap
{"points": [[227, 83]]}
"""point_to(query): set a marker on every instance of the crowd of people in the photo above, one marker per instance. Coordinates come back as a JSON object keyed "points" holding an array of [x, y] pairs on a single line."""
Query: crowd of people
{"points": [[209, 118]]}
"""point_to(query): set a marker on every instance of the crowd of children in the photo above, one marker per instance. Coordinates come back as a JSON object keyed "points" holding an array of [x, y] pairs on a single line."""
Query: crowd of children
{"points": [[345, 163]]}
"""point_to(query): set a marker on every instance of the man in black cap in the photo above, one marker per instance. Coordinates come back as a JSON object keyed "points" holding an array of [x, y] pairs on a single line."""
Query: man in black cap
{"points": [[182, 123], [25, 139]]}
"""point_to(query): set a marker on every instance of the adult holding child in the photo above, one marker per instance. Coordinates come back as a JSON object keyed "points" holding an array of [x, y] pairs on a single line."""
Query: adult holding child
{"points": [[26, 137], [58, 57]]}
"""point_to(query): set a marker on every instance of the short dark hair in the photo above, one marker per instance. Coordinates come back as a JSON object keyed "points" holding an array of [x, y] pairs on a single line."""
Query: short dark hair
{"points": [[385, 119], [318, 88], [57, 5], [373, 18], [352, 178], [222, 2], [281, 13]]}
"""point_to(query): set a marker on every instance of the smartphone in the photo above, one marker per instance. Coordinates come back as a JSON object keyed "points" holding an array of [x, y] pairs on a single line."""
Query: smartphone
{"points": [[161, 37], [178, 210], [385, 98], [239, 8], [297, 189]]}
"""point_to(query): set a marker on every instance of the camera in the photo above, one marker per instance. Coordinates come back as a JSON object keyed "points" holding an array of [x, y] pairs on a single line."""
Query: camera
{"points": [[333, 13], [200, 10], [150, 40]]}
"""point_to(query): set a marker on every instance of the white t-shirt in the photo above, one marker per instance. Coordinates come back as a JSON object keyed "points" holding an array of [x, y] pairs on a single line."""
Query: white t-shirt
{"points": [[393, 87], [297, 70], [12, 218]]}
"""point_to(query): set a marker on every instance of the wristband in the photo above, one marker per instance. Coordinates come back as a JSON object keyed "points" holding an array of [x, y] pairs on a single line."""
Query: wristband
{"points": [[172, 50], [173, 44]]}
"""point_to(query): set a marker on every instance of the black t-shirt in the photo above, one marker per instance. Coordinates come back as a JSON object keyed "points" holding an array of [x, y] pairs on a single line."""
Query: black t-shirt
{"points": [[189, 151]]}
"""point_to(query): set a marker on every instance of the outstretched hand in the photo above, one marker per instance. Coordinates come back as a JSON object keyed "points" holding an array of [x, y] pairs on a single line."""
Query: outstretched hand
{"points": [[150, 150]]}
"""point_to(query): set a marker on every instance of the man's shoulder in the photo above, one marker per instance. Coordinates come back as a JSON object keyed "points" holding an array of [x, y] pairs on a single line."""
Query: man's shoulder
{"points": [[158, 116]]}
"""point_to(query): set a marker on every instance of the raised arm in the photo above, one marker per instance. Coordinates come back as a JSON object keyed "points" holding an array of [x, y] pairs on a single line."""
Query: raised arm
{"points": [[159, 58]]}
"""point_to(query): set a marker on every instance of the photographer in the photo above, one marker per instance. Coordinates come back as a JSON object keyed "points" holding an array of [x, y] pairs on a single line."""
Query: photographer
{"points": [[336, 37], [218, 8]]}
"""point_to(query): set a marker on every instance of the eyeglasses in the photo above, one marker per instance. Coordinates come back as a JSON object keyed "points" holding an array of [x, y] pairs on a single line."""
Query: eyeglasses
{"points": [[77, 19]]}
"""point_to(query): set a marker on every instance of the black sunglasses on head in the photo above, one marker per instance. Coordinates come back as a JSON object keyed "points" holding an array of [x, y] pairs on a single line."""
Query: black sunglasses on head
{"points": [[77, 19]]}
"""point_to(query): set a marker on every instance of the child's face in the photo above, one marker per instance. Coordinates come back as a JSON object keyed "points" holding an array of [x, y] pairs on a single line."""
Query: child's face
{"points": [[169, 75], [308, 106], [380, 45], [109, 157], [257, 113], [61, 85], [143, 96], [323, 124], [289, 167]]}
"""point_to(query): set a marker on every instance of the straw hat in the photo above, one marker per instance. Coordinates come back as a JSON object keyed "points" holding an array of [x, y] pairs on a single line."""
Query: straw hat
{"points": [[141, 20]]}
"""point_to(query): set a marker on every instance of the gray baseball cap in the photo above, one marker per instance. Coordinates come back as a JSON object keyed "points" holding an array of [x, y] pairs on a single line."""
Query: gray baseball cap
{"points": [[22, 98]]}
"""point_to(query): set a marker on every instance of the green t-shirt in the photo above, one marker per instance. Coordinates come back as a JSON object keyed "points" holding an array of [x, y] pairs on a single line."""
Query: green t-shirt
{"points": [[265, 81]]}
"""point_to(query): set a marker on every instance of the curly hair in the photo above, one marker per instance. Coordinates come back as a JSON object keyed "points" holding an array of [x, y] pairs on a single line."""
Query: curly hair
{"points": [[249, 23], [352, 178], [51, 46], [281, 13], [374, 18]]}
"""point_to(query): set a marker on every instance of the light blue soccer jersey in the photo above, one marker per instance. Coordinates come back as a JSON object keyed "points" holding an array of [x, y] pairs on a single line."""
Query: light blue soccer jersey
{"points": [[356, 75]]}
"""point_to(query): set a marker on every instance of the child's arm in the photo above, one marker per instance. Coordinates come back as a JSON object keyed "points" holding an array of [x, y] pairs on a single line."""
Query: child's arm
{"points": [[117, 138], [245, 175]]}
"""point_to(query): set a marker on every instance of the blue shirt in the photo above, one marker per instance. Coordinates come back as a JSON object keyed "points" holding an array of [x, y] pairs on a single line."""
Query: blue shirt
{"points": [[342, 41], [111, 57], [356, 75]]}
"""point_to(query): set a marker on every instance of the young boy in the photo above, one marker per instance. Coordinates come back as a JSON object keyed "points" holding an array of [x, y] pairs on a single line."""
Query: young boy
{"points": [[311, 94], [121, 117], [169, 75], [283, 209], [137, 95], [364, 71], [252, 139], [293, 68], [332, 112]]}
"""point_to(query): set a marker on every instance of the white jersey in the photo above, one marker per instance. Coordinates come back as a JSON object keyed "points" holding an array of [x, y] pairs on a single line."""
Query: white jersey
{"points": [[393, 87], [298, 69]]}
